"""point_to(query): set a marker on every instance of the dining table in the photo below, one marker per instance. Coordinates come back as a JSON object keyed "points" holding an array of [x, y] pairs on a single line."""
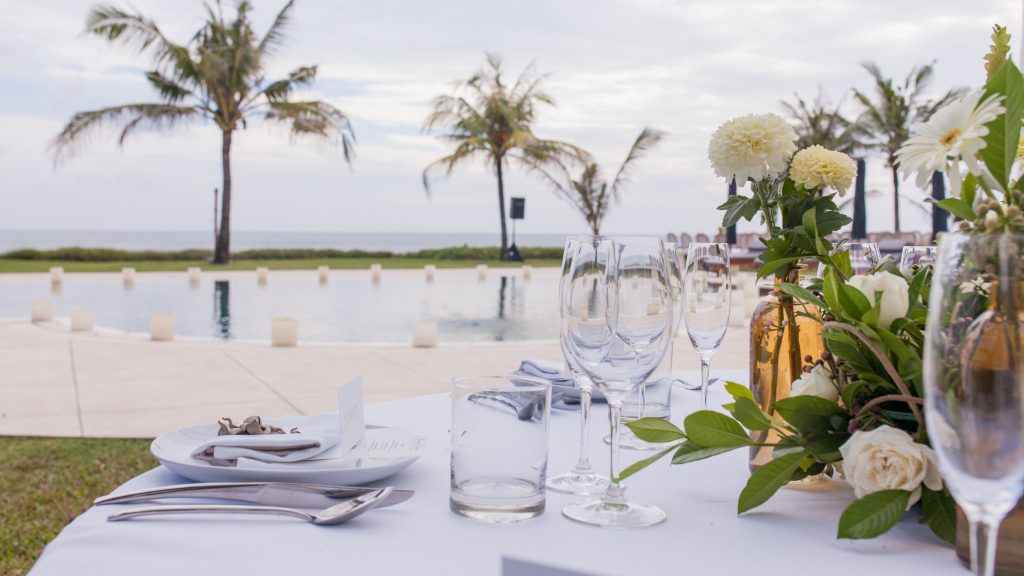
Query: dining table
{"points": [[792, 533]]}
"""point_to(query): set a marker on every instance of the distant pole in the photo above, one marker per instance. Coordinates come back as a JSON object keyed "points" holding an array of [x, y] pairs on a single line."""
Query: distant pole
{"points": [[860, 208], [940, 218], [730, 232]]}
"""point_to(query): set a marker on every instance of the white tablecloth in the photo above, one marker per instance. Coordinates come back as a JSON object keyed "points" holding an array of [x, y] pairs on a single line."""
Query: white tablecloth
{"points": [[793, 533]]}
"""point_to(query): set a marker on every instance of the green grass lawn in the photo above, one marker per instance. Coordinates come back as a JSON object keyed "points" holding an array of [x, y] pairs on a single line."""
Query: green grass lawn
{"points": [[9, 265], [46, 482]]}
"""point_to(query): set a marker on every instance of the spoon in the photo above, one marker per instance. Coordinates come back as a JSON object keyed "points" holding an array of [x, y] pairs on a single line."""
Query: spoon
{"points": [[336, 514]]}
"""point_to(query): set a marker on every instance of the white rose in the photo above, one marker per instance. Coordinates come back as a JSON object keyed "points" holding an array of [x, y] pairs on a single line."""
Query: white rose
{"points": [[895, 294], [887, 458], [818, 382]]}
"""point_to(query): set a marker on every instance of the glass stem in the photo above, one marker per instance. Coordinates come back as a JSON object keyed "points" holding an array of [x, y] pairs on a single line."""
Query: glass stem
{"points": [[984, 533], [705, 376], [614, 494], [583, 462]]}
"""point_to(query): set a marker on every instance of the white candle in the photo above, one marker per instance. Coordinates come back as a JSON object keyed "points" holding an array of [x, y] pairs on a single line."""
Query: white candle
{"points": [[430, 271], [42, 310], [261, 275], [375, 270], [481, 272], [193, 273], [57, 274], [161, 327], [424, 334], [284, 332], [128, 277], [527, 272], [81, 320], [322, 273]]}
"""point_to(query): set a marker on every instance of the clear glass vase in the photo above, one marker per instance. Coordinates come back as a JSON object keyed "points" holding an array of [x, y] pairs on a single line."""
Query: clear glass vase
{"points": [[780, 337]]}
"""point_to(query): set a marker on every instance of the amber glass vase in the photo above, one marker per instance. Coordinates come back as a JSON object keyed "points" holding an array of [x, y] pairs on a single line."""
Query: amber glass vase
{"points": [[780, 337]]}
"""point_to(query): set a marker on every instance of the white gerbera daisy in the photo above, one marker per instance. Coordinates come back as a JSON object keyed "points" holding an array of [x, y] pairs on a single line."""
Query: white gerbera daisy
{"points": [[955, 132], [752, 146]]}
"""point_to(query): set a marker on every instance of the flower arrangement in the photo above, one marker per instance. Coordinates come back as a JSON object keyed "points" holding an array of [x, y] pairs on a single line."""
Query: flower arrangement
{"points": [[856, 410]]}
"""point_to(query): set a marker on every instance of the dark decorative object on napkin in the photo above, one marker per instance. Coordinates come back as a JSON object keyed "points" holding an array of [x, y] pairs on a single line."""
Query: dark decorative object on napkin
{"points": [[251, 426]]}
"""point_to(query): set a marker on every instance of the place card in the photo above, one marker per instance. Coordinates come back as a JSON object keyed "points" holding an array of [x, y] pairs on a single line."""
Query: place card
{"points": [[350, 413]]}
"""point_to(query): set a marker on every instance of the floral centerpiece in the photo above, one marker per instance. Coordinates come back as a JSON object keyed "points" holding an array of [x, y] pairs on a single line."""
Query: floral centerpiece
{"points": [[856, 408]]}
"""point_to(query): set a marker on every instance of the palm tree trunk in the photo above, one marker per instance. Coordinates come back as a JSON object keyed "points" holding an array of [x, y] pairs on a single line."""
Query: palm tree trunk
{"points": [[501, 207], [222, 251], [895, 197]]}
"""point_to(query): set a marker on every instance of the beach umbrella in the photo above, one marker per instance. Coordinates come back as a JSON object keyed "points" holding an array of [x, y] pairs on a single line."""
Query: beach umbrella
{"points": [[860, 209], [730, 232], [940, 218]]}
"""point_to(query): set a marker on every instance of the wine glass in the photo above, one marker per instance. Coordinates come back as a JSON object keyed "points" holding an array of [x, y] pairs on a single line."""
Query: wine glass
{"points": [[707, 294], [864, 256], [599, 308], [916, 256], [973, 369], [582, 479]]}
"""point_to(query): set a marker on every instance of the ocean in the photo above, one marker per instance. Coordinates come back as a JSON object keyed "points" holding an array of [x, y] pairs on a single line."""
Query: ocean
{"points": [[245, 239]]}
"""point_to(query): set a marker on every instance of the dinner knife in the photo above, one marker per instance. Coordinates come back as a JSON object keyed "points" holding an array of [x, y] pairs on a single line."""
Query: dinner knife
{"points": [[292, 494]]}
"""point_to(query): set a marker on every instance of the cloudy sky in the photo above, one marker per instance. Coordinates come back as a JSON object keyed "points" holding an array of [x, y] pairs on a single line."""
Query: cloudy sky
{"points": [[615, 66]]}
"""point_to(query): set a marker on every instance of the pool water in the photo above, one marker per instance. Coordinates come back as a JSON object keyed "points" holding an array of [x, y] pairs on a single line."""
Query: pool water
{"points": [[350, 307]]}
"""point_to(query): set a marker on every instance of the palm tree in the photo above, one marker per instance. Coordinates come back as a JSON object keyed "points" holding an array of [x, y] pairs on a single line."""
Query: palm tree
{"points": [[217, 75], [822, 124], [486, 117], [887, 118], [591, 194]]}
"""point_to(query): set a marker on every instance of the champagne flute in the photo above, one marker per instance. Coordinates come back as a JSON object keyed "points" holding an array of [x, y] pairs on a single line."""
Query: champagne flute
{"points": [[707, 293], [864, 256], [593, 320], [582, 479], [916, 256], [974, 380]]}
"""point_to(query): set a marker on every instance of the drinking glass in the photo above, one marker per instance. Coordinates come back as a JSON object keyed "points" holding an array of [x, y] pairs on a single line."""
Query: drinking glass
{"points": [[707, 293], [617, 334], [916, 256], [973, 369], [582, 479], [499, 447], [864, 256]]}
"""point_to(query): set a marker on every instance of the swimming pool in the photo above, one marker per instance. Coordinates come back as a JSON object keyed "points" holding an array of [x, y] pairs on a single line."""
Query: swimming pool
{"points": [[350, 307]]}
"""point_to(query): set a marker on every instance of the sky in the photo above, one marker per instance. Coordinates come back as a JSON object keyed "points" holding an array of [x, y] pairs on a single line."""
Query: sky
{"points": [[614, 66]]}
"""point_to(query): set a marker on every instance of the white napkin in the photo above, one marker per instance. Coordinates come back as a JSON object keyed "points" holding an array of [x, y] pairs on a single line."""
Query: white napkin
{"points": [[378, 445], [547, 370], [316, 434]]}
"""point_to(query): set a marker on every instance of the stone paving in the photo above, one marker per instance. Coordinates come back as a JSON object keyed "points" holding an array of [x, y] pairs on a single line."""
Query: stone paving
{"points": [[54, 382]]}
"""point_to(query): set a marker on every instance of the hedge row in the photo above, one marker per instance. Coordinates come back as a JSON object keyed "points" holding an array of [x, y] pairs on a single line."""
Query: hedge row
{"points": [[78, 254]]}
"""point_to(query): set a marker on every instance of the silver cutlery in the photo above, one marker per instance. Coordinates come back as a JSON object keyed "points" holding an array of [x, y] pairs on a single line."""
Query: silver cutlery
{"points": [[336, 514], [294, 494]]}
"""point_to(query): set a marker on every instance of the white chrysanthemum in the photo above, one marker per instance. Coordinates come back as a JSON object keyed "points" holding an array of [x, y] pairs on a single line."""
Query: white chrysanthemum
{"points": [[818, 167], [957, 131], [752, 146]]}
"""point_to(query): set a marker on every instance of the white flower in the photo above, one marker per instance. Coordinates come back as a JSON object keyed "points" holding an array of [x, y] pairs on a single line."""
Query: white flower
{"points": [[753, 146], [818, 167], [956, 131], [887, 458], [895, 294], [818, 382]]}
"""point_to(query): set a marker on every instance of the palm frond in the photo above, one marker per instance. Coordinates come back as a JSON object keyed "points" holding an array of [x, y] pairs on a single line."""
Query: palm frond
{"points": [[134, 30], [169, 89], [647, 139], [316, 119], [282, 89], [274, 36], [446, 165], [127, 117]]}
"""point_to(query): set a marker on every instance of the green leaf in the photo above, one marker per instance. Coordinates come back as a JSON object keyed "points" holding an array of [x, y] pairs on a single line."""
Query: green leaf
{"points": [[690, 452], [770, 267], [715, 430], [998, 51], [640, 465], [853, 302], [801, 293], [1000, 149], [767, 480], [830, 221], [738, 391], [874, 514], [940, 513], [969, 189], [808, 413], [957, 207], [810, 223], [655, 430], [739, 207], [751, 415]]}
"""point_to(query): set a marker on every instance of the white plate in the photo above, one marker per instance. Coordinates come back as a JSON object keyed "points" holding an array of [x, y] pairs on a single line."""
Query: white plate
{"points": [[173, 450]]}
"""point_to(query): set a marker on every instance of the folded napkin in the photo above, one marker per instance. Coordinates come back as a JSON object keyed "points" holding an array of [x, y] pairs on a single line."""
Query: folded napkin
{"points": [[554, 372], [317, 434]]}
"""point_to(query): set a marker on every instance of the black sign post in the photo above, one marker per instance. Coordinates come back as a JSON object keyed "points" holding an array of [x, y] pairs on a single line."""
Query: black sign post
{"points": [[518, 212]]}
